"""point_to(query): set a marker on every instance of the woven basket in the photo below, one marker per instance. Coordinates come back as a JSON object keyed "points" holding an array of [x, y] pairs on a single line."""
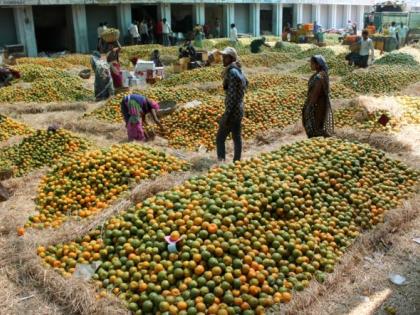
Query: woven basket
{"points": [[85, 74], [111, 35]]}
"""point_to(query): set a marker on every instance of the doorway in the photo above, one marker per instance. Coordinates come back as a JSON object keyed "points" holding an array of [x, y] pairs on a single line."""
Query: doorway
{"points": [[53, 28]]}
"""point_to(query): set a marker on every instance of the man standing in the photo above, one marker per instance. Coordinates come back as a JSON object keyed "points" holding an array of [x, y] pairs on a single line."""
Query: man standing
{"points": [[144, 32], [393, 32], [234, 84], [366, 46], [316, 31], [233, 34], [216, 29], [134, 32], [166, 30]]}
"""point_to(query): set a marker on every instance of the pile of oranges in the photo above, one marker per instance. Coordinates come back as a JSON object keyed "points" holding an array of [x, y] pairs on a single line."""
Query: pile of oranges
{"points": [[86, 183], [45, 84], [265, 59], [248, 234], [10, 127], [40, 149]]}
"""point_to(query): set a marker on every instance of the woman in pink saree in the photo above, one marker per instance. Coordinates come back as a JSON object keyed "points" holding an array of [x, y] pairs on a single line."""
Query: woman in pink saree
{"points": [[134, 108]]}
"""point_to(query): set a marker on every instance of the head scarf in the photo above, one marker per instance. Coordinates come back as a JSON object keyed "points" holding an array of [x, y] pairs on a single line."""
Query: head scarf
{"points": [[320, 60]]}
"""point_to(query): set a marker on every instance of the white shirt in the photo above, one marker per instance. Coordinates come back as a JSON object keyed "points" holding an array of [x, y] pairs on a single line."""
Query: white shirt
{"points": [[166, 29], [403, 31], [233, 36], [134, 31], [366, 46]]}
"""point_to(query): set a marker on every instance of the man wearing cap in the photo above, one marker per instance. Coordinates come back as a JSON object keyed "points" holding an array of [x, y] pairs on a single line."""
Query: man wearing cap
{"points": [[234, 84]]}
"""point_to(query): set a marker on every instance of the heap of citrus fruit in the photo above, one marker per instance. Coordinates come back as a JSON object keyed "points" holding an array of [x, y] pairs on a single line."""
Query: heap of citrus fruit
{"points": [[86, 183], [62, 62], [286, 47], [397, 58], [249, 234], [326, 52], [10, 127], [382, 79], [40, 149], [340, 91], [46, 85], [355, 116], [337, 66], [411, 108], [265, 59], [206, 74]]}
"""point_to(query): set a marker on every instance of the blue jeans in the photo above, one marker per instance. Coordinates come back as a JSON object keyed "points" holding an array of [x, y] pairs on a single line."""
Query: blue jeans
{"points": [[227, 126]]}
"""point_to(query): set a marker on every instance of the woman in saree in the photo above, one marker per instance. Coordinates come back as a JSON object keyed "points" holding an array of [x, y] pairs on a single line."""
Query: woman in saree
{"points": [[317, 117], [134, 108]]}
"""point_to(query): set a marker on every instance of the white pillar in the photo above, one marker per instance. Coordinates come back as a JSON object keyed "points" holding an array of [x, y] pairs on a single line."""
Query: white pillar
{"points": [[277, 19], [332, 16], [316, 13], [297, 14], [347, 14], [228, 17], [25, 29], [78, 13], [254, 19], [360, 17], [164, 12], [199, 15]]}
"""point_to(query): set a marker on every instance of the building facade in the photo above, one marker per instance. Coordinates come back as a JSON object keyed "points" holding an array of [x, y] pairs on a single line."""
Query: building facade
{"points": [[54, 25]]}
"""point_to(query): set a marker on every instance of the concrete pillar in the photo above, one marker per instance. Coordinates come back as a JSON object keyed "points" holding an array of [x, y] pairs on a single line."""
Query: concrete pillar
{"points": [[277, 19], [360, 17], [78, 13], [332, 20], [347, 14], [164, 12], [199, 15], [297, 14], [228, 17], [254, 19], [25, 29], [316, 13], [124, 19]]}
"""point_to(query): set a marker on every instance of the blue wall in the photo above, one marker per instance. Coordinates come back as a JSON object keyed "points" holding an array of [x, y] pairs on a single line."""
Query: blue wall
{"points": [[7, 27], [96, 14]]}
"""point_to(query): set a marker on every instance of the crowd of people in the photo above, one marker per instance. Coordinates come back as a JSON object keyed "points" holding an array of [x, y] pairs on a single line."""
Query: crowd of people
{"points": [[162, 32]]}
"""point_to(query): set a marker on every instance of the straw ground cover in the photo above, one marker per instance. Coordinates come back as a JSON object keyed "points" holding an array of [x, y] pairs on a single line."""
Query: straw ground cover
{"points": [[38, 279], [65, 292]]}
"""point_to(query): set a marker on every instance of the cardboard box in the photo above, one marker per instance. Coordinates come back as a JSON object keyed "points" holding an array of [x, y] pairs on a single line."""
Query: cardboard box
{"points": [[202, 55], [184, 60], [177, 68]]}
